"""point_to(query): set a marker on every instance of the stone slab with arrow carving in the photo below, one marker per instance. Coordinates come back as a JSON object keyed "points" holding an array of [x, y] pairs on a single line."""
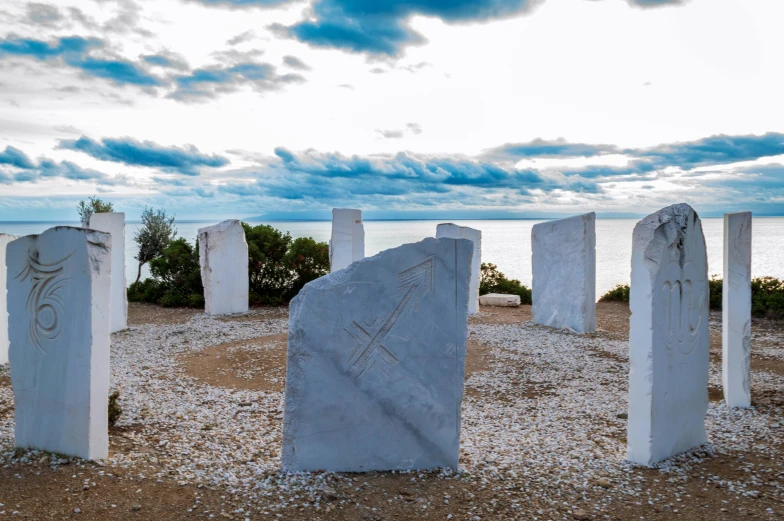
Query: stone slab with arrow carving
{"points": [[376, 362]]}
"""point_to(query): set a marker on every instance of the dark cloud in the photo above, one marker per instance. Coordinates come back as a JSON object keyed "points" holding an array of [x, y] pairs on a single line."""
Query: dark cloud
{"points": [[546, 148], [23, 169], [713, 150], [381, 27], [296, 63], [184, 160], [15, 157]]}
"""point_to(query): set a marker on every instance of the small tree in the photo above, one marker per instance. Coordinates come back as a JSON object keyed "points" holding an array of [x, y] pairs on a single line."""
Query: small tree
{"points": [[156, 233], [93, 205]]}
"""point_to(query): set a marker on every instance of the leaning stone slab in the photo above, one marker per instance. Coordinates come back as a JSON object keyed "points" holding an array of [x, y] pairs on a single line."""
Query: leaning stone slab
{"points": [[453, 231], [4, 240], [223, 256], [376, 362], [114, 224], [500, 300], [347, 243], [564, 273], [58, 295], [736, 310], [668, 339]]}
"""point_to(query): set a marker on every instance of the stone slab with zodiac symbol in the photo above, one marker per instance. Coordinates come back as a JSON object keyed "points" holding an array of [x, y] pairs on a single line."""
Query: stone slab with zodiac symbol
{"points": [[4, 240], [59, 321], [376, 362], [669, 337]]}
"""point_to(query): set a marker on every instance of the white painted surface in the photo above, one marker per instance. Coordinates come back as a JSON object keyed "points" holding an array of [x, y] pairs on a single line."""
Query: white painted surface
{"points": [[500, 300], [58, 293], [4, 240], [454, 231], [347, 243], [223, 256], [564, 273], [114, 224], [669, 338], [736, 310]]}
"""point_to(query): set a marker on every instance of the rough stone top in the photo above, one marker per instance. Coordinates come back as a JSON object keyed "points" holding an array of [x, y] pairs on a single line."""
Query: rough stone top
{"points": [[664, 229], [221, 226]]}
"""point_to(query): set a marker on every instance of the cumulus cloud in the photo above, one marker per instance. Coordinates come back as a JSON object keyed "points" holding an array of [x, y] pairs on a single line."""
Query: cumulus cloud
{"points": [[17, 167], [183, 160]]}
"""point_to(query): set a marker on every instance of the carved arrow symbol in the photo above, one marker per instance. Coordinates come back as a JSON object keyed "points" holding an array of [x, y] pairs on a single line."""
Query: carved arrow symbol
{"points": [[412, 283]]}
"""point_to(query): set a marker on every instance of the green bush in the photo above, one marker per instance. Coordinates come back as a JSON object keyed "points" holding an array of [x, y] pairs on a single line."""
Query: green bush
{"points": [[176, 278], [493, 281], [715, 287], [618, 293], [308, 260]]}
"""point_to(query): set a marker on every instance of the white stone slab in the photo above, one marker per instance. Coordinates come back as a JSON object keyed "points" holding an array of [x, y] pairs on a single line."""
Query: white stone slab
{"points": [[223, 256], [453, 231], [564, 273], [669, 338], [114, 224], [736, 310], [347, 243], [58, 294], [4, 240], [500, 300], [376, 362]]}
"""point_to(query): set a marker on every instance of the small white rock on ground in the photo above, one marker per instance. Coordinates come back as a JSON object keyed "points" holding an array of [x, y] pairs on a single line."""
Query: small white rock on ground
{"points": [[557, 431]]}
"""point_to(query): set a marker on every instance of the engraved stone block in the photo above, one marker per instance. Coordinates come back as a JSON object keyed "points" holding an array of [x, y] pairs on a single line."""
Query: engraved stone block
{"points": [[4, 240], [223, 256], [564, 273], [736, 310], [376, 362], [500, 300], [114, 224], [668, 339], [453, 231], [58, 295], [347, 243]]}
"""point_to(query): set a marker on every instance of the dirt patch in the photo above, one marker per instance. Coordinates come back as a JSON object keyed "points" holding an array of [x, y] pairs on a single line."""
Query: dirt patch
{"points": [[5, 381], [258, 364], [613, 318], [501, 315], [715, 394], [140, 313]]}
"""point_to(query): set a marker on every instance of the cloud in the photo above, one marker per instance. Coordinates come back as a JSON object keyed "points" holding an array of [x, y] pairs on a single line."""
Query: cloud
{"points": [[167, 60], [655, 3], [295, 63], [43, 14], [242, 37], [23, 169], [184, 160], [242, 3], [74, 51], [411, 128], [15, 157], [714, 150], [548, 148], [207, 82]]}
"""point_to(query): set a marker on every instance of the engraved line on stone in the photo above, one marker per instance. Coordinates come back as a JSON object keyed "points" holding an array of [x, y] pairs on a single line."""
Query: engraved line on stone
{"points": [[44, 304]]}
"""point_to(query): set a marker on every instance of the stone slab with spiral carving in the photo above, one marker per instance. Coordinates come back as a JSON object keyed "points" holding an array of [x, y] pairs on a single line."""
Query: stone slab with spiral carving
{"points": [[4, 240], [669, 337], [59, 306]]}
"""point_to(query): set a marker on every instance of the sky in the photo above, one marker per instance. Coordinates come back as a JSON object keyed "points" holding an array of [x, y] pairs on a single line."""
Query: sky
{"points": [[218, 109]]}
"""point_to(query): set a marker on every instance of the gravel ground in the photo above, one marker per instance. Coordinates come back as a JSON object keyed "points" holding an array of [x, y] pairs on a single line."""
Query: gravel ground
{"points": [[543, 436]]}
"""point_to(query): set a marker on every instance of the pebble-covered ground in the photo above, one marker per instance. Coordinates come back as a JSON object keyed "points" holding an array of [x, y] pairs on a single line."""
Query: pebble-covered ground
{"points": [[543, 434]]}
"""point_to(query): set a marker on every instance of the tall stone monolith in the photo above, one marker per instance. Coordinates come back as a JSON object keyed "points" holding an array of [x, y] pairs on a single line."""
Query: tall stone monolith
{"points": [[736, 310], [347, 243], [58, 300], [564, 273], [669, 338], [453, 231], [223, 256], [114, 224], [4, 240], [376, 362]]}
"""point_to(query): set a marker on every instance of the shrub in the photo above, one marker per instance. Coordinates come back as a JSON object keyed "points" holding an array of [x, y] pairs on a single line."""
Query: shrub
{"points": [[114, 408], [619, 293], [155, 234], [147, 290], [715, 288], [308, 260], [176, 278], [493, 281], [93, 205], [767, 297]]}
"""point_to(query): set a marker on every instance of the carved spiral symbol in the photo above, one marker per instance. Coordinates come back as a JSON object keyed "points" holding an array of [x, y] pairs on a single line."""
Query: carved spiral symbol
{"points": [[44, 303]]}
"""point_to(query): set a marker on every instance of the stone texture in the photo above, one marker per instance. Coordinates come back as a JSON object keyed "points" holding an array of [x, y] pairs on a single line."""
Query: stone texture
{"points": [[347, 243], [114, 224], [376, 362], [500, 300], [564, 273], [669, 338], [736, 310], [223, 256], [58, 294], [453, 231], [4, 240]]}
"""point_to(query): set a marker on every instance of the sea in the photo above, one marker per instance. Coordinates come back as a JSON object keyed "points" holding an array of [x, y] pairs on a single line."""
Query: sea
{"points": [[505, 243]]}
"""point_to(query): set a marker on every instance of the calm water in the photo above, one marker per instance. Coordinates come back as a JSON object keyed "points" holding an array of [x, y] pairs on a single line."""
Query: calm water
{"points": [[504, 243]]}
